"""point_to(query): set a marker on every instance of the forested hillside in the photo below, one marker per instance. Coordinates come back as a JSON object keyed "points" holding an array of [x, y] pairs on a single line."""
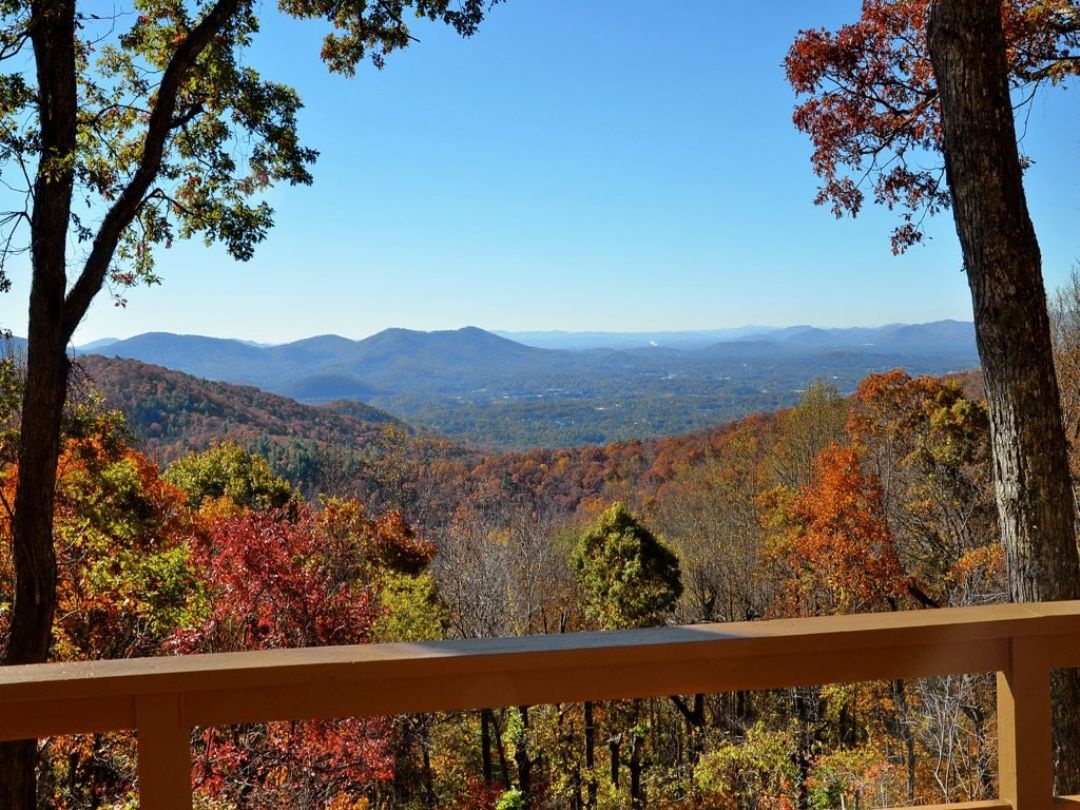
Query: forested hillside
{"points": [[166, 496], [341, 447], [171, 412], [337, 446]]}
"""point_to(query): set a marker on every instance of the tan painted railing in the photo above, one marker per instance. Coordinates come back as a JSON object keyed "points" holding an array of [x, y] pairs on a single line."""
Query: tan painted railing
{"points": [[164, 698]]}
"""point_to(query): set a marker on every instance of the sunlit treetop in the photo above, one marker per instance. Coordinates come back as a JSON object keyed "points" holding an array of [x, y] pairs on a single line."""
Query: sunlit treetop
{"points": [[868, 101]]}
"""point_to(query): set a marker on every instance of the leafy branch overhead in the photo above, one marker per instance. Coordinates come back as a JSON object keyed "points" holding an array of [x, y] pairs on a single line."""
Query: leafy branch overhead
{"points": [[869, 101], [174, 135]]}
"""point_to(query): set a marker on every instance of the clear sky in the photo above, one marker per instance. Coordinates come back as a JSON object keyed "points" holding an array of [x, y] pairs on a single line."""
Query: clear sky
{"points": [[580, 164]]}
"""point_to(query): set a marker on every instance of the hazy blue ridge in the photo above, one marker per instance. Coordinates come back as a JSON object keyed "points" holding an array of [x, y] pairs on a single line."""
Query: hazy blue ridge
{"points": [[490, 390]]}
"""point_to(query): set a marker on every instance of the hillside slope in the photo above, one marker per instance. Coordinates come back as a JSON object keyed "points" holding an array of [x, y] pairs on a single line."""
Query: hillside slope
{"points": [[170, 412]]}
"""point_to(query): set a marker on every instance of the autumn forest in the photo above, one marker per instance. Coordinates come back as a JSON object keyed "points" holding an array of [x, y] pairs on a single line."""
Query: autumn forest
{"points": [[163, 505], [878, 502]]}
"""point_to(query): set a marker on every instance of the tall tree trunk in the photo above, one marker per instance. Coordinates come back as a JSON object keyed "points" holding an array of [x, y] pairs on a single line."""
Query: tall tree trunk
{"points": [[1004, 270], [429, 778], [485, 746], [613, 743], [904, 731], [521, 754], [695, 724], [637, 800], [803, 755], [53, 36], [504, 769], [590, 755]]}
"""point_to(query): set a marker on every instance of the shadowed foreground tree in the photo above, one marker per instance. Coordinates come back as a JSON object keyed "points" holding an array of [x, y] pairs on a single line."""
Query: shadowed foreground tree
{"points": [[1004, 270], [911, 80], [127, 131]]}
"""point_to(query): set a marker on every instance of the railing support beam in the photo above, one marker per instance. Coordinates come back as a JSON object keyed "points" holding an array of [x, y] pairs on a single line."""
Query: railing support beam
{"points": [[164, 753], [1025, 744]]}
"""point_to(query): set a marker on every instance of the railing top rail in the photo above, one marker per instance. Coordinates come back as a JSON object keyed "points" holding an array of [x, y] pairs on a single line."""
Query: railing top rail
{"points": [[445, 675], [723, 640]]}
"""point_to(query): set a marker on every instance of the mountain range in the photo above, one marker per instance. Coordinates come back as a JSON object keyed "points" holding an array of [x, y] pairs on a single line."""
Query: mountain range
{"points": [[890, 338], [597, 387], [935, 337], [489, 390]]}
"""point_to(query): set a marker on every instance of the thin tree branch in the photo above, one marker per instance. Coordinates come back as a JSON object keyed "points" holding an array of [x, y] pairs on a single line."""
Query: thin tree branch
{"points": [[130, 200]]}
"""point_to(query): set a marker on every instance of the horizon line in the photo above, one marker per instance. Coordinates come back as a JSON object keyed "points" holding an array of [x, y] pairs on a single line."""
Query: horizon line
{"points": [[500, 332]]}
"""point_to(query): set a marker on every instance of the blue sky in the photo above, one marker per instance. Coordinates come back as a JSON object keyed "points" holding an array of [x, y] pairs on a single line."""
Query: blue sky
{"points": [[579, 164]]}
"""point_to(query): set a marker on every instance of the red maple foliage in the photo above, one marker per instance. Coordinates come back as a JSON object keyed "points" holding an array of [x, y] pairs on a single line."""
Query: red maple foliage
{"points": [[280, 581]]}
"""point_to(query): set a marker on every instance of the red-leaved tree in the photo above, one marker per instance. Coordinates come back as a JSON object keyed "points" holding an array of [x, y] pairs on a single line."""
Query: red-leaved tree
{"points": [[276, 581]]}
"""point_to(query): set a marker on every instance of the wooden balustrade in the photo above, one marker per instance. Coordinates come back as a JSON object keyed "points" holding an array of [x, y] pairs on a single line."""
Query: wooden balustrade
{"points": [[164, 698]]}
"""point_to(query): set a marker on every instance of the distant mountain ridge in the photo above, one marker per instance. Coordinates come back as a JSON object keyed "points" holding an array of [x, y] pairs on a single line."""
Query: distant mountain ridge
{"points": [[892, 337], [327, 366], [686, 339], [392, 346], [490, 390]]}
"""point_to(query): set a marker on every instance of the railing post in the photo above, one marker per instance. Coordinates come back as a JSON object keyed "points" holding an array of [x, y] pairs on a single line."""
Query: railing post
{"points": [[1025, 744], [164, 753]]}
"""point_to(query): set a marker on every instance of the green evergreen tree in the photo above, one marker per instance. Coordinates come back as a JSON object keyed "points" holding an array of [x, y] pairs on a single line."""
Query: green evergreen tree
{"points": [[630, 578]]}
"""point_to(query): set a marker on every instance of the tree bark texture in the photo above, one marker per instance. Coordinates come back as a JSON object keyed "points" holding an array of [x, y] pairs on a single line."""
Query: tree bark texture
{"points": [[53, 37], [521, 754], [1004, 271], [55, 312]]}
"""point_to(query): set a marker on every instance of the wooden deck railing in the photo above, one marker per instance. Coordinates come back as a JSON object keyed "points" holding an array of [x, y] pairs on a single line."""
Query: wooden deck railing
{"points": [[164, 698]]}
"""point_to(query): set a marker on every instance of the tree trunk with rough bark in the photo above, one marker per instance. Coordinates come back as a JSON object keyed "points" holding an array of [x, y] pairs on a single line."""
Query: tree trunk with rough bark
{"points": [[590, 755], [1004, 270], [522, 757], [56, 309], [53, 36], [485, 747]]}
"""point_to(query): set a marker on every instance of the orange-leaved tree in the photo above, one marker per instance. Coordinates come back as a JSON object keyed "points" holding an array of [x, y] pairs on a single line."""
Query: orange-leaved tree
{"points": [[930, 446], [126, 580], [883, 97], [831, 543]]}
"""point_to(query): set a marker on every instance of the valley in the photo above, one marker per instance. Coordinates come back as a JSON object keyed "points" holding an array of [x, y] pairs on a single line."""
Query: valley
{"points": [[492, 392]]}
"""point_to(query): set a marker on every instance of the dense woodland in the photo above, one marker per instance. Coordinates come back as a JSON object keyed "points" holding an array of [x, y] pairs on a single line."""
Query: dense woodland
{"points": [[877, 502]]}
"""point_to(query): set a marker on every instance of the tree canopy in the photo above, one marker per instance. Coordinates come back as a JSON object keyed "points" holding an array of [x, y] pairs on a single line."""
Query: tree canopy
{"points": [[630, 578], [869, 101], [137, 125]]}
